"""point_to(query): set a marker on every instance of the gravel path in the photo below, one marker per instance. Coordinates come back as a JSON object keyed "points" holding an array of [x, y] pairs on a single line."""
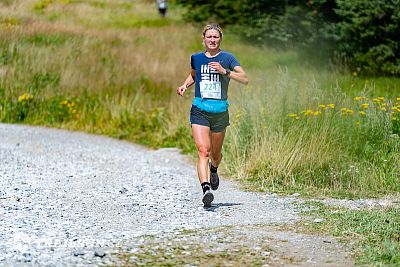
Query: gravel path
{"points": [[70, 198]]}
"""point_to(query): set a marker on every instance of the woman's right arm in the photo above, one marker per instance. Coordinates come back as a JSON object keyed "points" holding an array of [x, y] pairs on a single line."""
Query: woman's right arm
{"points": [[188, 82]]}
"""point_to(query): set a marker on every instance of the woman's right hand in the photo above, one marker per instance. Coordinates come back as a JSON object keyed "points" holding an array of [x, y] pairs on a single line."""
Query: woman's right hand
{"points": [[181, 90]]}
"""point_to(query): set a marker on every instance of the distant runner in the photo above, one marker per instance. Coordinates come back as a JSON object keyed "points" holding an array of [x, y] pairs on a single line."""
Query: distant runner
{"points": [[211, 72], [162, 7]]}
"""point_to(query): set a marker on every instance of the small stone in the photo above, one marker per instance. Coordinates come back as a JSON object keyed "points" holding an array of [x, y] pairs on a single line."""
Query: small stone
{"points": [[318, 220], [79, 253], [27, 256], [295, 194], [99, 253], [266, 253], [123, 190]]}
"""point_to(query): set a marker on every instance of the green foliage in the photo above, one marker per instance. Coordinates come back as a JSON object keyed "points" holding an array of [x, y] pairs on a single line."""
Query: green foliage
{"points": [[361, 34], [126, 22], [280, 23], [229, 12], [330, 142], [9, 21], [16, 110], [46, 39], [369, 35], [5, 57], [41, 5], [110, 4], [6, 2], [44, 80]]}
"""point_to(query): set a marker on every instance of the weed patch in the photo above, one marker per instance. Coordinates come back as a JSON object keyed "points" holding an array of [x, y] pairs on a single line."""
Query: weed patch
{"points": [[374, 232]]}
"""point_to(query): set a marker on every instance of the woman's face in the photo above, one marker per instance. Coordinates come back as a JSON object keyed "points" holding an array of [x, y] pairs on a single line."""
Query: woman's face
{"points": [[212, 39]]}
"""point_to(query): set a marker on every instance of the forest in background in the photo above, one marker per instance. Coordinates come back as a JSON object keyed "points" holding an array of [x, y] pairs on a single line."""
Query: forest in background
{"points": [[361, 36]]}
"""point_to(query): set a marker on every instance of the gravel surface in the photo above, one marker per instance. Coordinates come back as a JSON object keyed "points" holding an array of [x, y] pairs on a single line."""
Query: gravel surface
{"points": [[70, 198]]}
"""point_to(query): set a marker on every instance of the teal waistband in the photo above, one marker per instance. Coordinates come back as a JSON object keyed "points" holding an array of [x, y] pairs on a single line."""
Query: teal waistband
{"points": [[211, 105]]}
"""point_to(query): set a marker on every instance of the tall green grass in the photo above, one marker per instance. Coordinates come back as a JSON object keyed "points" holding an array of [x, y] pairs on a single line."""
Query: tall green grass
{"points": [[287, 137], [101, 67]]}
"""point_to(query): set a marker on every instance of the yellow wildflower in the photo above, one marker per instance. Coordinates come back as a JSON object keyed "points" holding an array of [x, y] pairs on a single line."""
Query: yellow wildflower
{"points": [[332, 106], [365, 105], [380, 99], [21, 98], [358, 98], [394, 118], [358, 123], [292, 115], [25, 97], [398, 99], [316, 113], [362, 113], [322, 106], [346, 111], [307, 112], [383, 108]]}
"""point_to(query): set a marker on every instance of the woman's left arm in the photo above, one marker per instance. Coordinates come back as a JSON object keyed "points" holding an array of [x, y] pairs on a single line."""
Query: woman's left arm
{"points": [[239, 75]]}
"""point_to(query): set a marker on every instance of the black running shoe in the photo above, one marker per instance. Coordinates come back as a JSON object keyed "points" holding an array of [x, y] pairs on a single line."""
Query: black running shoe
{"points": [[214, 180], [208, 197]]}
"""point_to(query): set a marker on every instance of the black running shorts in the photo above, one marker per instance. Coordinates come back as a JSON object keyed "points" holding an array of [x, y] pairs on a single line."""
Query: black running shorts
{"points": [[216, 121]]}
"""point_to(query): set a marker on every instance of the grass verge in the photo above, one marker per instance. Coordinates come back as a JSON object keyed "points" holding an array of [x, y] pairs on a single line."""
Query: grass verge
{"points": [[374, 233]]}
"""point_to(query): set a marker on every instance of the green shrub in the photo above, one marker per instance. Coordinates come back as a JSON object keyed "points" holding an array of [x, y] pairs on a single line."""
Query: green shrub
{"points": [[369, 35], [361, 34], [39, 6]]}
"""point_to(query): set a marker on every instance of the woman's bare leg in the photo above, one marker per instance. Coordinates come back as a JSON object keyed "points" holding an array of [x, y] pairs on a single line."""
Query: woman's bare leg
{"points": [[217, 140], [201, 135]]}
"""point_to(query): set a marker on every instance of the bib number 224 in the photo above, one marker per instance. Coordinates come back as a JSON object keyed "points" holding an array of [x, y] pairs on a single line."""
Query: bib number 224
{"points": [[210, 89]]}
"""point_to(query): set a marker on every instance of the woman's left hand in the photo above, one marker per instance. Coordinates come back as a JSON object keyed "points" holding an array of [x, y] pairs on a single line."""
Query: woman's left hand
{"points": [[217, 67]]}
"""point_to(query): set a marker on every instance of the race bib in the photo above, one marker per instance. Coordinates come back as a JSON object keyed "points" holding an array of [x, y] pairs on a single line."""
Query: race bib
{"points": [[210, 89]]}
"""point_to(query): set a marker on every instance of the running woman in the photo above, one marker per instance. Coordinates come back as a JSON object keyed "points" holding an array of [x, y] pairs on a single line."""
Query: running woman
{"points": [[211, 72]]}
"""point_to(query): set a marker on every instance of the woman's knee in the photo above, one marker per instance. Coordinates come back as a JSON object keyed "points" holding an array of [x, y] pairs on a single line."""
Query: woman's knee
{"points": [[216, 157], [204, 151]]}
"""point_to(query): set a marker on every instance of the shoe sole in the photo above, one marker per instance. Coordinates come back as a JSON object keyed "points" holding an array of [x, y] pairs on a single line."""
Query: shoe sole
{"points": [[207, 199]]}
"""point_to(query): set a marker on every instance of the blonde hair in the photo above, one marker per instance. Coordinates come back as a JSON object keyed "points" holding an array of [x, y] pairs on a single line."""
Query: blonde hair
{"points": [[212, 26]]}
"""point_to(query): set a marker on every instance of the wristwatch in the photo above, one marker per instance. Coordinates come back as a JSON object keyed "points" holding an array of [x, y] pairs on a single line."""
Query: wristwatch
{"points": [[227, 72]]}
